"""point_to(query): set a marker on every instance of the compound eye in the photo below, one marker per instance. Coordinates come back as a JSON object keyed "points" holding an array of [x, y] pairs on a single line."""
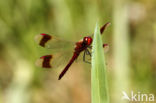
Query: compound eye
{"points": [[88, 40]]}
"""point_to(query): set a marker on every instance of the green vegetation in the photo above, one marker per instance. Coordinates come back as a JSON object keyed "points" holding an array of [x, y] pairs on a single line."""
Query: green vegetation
{"points": [[130, 61], [99, 81]]}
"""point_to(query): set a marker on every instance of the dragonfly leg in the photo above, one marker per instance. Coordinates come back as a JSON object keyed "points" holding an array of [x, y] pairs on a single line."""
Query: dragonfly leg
{"points": [[86, 52], [90, 47]]}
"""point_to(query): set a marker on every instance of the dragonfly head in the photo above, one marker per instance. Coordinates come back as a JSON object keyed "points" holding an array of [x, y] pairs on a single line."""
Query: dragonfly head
{"points": [[87, 40]]}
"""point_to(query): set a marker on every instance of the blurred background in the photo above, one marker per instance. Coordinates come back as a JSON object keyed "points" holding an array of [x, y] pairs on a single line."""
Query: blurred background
{"points": [[131, 59]]}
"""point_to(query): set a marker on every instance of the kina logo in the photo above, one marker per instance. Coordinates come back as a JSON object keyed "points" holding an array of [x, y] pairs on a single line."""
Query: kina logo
{"points": [[139, 97]]}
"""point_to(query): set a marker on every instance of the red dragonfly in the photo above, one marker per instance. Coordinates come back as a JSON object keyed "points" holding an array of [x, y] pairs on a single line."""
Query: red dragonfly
{"points": [[54, 43]]}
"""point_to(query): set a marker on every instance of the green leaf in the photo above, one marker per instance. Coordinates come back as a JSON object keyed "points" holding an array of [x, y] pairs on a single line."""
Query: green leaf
{"points": [[99, 88]]}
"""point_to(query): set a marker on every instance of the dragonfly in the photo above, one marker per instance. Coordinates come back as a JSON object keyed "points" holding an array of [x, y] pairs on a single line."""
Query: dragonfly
{"points": [[54, 43]]}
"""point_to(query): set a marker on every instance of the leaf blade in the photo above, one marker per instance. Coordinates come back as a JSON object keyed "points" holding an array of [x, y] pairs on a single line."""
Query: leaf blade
{"points": [[99, 87]]}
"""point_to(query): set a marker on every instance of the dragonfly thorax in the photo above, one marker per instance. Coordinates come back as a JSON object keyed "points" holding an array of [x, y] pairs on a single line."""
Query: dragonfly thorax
{"points": [[83, 44]]}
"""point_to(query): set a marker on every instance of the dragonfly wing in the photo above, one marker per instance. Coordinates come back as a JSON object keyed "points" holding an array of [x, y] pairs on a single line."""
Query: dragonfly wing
{"points": [[54, 60], [106, 48], [53, 42], [103, 28]]}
